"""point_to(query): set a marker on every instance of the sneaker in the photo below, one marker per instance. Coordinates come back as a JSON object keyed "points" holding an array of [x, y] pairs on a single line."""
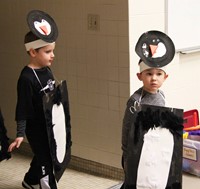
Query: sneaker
{"points": [[28, 186]]}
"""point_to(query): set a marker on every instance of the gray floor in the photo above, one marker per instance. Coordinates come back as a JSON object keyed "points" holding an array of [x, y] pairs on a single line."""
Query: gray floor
{"points": [[12, 172]]}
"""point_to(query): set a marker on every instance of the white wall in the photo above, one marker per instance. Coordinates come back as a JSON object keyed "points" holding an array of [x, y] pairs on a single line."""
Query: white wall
{"points": [[144, 15], [183, 85], [182, 88]]}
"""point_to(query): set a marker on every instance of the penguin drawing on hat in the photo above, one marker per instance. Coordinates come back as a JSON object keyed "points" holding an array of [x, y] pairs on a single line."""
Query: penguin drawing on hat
{"points": [[43, 27], [155, 48]]}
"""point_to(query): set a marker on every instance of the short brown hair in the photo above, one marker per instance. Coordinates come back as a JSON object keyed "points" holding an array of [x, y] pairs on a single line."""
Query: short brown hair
{"points": [[29, 37]]}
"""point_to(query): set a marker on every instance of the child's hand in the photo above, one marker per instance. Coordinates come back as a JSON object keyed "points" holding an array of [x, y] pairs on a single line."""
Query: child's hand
{"points": [[15, 144]]}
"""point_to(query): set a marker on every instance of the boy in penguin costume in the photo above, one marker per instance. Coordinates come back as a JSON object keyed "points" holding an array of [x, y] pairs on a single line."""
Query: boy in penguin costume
{"points": [[42, 110], [152, 133]]}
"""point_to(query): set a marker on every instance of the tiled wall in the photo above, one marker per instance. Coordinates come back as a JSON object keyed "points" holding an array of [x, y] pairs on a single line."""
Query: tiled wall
{"points": [[97, 72], [94, 63]]}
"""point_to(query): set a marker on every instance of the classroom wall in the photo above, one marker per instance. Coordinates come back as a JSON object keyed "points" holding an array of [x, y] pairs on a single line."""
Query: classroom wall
{"points": [[99, 66], [182, 88], [94, 63]]}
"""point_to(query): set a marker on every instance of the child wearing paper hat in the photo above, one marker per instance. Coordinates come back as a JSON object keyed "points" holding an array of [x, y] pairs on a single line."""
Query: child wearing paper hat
{"points": [[35, 80], [155, 50]]}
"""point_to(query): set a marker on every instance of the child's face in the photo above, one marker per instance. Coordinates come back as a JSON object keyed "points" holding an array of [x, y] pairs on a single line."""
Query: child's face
{"points": [[152, 79], [44, 56]]}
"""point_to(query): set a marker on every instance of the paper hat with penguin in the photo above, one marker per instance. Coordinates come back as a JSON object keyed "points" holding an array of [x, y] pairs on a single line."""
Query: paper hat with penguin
{"points": [[155, 50], [43, 26]]}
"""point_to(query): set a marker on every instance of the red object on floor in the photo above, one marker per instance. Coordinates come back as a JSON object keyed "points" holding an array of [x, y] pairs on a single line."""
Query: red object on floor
{"points": [[191, 118]]}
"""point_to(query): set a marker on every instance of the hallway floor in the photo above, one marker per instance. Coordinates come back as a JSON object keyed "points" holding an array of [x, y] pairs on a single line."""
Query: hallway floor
{"points": [[12, 172]]}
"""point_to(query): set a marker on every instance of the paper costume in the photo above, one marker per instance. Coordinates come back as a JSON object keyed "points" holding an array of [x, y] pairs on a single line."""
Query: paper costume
{"points": [[43, 26], [155, 49], [56, 109], [154, 151]]}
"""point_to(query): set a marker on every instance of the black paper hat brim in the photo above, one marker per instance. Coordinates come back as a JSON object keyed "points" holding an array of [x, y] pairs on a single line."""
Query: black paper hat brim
{"points": [[146, 39], [39, 16]]}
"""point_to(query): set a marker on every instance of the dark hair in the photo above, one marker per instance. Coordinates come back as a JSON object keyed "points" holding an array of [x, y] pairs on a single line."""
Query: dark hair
{"points": [[140, 61], [29, 37]]}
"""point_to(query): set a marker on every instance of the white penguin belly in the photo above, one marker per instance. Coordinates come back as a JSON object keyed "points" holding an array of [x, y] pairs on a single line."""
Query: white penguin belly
{"points": [[155, 159], [59, 129]]}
